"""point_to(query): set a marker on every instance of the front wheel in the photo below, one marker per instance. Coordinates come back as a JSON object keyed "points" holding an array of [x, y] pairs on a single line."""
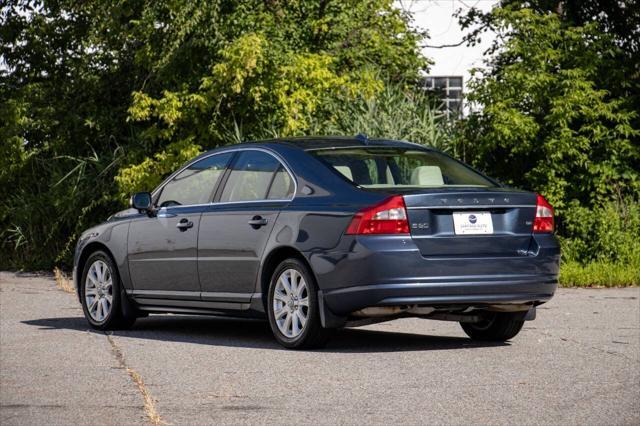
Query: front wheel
{"points": [[102, 298], [292, 307], [495, 326]]}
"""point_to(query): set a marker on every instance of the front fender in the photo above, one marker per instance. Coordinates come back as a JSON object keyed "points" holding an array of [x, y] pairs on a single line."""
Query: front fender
{"points": [[110, 237]]}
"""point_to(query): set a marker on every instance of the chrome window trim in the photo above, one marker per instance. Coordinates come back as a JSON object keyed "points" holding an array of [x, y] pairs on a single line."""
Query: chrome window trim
{"points": [[471, 206], [223, 203], [275, 155], [413, 145]]}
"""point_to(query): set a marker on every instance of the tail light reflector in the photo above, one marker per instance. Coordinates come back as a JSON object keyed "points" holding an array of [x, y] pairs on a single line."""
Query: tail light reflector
{"points": [[387, 217], [544, 216]]}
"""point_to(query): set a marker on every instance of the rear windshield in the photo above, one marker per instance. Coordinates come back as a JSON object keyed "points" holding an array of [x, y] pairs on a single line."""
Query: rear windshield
{"points": [[373, 167]]}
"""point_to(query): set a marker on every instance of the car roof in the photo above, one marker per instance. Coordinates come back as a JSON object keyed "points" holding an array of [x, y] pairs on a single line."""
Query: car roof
{"points": [[309, 143]]}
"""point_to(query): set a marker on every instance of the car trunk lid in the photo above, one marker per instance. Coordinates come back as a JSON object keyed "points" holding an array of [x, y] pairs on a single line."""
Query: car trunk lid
{"points": [[449, 222]]}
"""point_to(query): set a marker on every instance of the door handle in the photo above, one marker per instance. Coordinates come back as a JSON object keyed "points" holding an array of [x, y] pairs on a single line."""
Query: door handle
{"points": [[184, 224], [257, 221]]}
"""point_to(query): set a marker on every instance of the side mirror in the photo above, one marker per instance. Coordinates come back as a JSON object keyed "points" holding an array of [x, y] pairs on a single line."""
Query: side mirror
{"points": [[141, 201]]}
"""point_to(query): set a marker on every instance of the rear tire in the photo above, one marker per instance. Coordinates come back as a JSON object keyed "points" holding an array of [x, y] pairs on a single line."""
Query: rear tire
{"points": [[495, 327], [103, 299], [292, 306]]}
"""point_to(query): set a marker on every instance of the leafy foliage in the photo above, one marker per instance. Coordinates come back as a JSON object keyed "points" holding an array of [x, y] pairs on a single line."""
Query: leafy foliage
{"points": [[64, 103], [275, 68], [546, 122], [608, 233], [101, 98], [97, 91], [557, 113]]}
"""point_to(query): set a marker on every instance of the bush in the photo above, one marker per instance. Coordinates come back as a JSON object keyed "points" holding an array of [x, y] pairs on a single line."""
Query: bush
{"points": [[606, 233], [601, 245]]}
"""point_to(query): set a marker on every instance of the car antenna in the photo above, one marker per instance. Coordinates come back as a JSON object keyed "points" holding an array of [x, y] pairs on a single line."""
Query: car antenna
{"points": [[362, 137]]}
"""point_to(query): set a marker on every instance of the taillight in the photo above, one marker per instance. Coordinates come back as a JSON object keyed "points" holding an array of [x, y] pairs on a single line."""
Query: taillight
{"points": [[544, 216], [387, 217]]}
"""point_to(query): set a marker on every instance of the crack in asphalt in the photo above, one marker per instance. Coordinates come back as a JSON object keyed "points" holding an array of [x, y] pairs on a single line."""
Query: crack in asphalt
{"points": [[149, 403], [63, 283]]}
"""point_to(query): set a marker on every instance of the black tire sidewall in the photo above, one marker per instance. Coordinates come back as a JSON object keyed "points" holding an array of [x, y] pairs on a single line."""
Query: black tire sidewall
{"points": [[313, 317], [504, 326], [115, 312]]}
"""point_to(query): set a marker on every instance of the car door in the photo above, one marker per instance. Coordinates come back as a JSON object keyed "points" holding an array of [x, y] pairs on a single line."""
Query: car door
{"points": [[162, 249], [234, 231]]}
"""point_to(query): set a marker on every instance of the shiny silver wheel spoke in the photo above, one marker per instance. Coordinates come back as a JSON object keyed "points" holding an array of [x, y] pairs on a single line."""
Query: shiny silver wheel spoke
{"points": [[99, 271], [105, 307], [280, 313], [287, 324], [295, 279], [295, 324], [93, 305], [302, 319], [291, 303], [286, 285], [280, 296], [98, 290]]}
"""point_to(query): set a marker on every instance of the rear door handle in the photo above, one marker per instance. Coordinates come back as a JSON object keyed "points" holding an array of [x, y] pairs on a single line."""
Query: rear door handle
{"points": [[257, 221], [184, 224]]}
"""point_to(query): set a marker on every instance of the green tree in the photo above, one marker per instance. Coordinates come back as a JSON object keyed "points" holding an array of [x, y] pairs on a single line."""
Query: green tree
{"points": [[65, 86], [556, 110], [93, 91], [544, 119], [276, 68]]}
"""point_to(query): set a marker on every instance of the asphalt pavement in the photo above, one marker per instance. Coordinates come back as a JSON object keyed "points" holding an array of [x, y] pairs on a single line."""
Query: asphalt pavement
{"points": [[577, 363]]}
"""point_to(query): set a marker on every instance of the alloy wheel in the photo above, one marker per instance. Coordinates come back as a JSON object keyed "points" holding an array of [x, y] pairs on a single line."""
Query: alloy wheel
{"points": [[98, 290], [291, 303]]}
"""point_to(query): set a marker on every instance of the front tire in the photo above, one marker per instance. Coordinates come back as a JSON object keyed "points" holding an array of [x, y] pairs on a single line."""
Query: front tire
{"points": [[102, 295], [292, 306], [495, 327]]}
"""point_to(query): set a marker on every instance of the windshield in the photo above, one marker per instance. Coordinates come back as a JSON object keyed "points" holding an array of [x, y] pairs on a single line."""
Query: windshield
{"points": [[383, 167]]}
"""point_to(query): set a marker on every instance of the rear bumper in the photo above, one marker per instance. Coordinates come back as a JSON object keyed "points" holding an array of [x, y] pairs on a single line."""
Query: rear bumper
{"points": [[390, 271], [515, 290]]}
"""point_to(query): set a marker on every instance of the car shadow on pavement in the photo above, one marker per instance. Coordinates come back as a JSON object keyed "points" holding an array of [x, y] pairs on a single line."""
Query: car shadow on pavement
{"points": [[217, 331]]}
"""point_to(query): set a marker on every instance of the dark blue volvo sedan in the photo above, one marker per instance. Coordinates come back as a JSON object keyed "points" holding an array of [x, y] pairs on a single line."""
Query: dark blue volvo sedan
{"points": [[320, 233]]}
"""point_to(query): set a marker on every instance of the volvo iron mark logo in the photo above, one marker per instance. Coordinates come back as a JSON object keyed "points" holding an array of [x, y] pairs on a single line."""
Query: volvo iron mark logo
{"points": [[473, 218]]}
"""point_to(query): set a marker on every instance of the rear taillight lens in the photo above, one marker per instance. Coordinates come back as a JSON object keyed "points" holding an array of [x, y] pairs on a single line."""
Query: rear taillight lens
{"points": [[387, 217], [544, 216]]}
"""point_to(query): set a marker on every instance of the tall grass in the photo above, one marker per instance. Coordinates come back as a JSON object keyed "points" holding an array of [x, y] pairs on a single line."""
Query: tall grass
{"points": [[599, 274], [395, 113], [48, 202]]}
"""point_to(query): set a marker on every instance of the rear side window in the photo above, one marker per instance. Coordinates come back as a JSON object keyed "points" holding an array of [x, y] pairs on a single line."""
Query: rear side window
{"points": [[281, 186], [195, 184], [373, 167], [256, 175]]}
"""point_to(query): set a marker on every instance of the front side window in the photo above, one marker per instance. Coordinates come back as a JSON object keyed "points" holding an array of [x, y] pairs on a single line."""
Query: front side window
{"points": [[390, 167], [256, 175], [195, 184]]}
